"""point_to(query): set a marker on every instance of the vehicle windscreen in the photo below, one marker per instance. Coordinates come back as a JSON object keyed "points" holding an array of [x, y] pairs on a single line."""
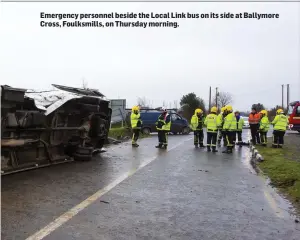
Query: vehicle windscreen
{"points": [[290, 110]]}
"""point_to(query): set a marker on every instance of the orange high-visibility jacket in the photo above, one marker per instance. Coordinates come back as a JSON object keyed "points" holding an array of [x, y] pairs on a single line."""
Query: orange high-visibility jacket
{"points": [[254, 118]]}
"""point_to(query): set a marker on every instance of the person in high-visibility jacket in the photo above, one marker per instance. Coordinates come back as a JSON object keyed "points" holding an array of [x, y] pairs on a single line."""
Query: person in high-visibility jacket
{"points": [[230, 128], [254, 118], [163, 126], [211, 122], [239, 125], [197, 123], [221, 134], [136, 124], [264, 127], [280, 123]]}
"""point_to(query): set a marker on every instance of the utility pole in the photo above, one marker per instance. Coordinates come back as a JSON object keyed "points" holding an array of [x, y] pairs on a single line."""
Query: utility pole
{"points": [[282, 96], [287, 95], [209, 104]]}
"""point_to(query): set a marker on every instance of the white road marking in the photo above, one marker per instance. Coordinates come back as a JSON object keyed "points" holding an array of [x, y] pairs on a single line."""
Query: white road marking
{"points": [[78, 208]]}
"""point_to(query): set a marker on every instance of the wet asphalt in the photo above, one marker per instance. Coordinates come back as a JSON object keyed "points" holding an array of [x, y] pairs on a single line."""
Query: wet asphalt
{"points": [[183, 193]]}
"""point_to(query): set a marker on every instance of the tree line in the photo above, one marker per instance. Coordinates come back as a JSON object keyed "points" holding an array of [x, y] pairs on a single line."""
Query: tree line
{"points": [[189, 102]]}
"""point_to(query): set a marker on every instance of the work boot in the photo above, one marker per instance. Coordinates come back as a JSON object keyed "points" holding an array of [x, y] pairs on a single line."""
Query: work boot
{"points": [[274, 146], [201, 145], [159, 146], [264, 145], [219, 143], [164, 147], [229, 150], [214, 149], [196, 145], [208, 149], [279, 146], [135, 145]]}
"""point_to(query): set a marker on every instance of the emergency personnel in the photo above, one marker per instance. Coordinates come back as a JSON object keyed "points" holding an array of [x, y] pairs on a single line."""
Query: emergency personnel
{"points": [[211, 122], [254, 119], [230, 128], [163, 126], [280, 124], [239, 125], [136, 124], [264, 127], [197, 123], [220, 126]]}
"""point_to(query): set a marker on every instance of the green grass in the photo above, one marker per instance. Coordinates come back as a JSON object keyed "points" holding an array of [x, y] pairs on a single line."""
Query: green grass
{"points": [[121, 132], [283, 168], [118, 125]]}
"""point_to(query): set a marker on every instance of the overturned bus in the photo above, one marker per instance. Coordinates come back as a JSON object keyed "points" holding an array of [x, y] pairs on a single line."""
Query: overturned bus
{"points": [[50, 127]]}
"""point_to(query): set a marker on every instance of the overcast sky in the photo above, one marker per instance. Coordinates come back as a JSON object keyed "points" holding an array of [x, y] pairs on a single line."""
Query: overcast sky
{"points": [[247, 57]]}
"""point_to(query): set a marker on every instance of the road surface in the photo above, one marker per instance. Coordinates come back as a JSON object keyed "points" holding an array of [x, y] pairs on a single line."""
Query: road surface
{"points": [[146, 193]]}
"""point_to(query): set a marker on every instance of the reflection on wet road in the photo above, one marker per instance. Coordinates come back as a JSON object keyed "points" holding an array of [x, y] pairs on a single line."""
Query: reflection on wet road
{"points": [[145, 193]]}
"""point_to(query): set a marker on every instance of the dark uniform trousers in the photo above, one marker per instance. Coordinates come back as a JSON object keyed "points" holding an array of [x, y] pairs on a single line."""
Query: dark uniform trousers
{"points": [[278, 138], [212, 139], [230, 135], [239, 137], [163, 137], [222, 134], [198, 137], [136, 134], [255, 133]]}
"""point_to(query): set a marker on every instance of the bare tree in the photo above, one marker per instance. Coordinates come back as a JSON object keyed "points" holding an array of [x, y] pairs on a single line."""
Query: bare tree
{"points": [[175, 104], [143, 102], [224, 98]]}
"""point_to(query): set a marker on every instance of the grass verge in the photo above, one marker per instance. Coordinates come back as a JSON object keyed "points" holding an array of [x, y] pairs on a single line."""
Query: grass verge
{"points": [[283, 168], [122, 133]]}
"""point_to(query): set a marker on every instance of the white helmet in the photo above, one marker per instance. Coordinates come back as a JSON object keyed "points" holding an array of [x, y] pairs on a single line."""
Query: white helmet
{"points": [[164, 109]]}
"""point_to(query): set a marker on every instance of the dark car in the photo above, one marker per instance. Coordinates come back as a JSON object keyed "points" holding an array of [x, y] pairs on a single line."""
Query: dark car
{"points": [[149, 118]]}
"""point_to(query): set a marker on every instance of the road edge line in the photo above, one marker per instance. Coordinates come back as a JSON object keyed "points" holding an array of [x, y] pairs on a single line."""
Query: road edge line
{"points": [[68, 215]]}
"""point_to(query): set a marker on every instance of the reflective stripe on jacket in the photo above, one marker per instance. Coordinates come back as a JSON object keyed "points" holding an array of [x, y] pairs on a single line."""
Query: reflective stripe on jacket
{"points": [[254, 118], [230, 122], [211, 122], [280, 122], [197, 123], [136, 121], [240, 124], [163, 122], [264, 124]]}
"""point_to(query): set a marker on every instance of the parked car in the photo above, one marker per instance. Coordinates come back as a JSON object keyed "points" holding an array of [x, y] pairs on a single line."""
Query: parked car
{"points": [[246, 122], [149, 118]]}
